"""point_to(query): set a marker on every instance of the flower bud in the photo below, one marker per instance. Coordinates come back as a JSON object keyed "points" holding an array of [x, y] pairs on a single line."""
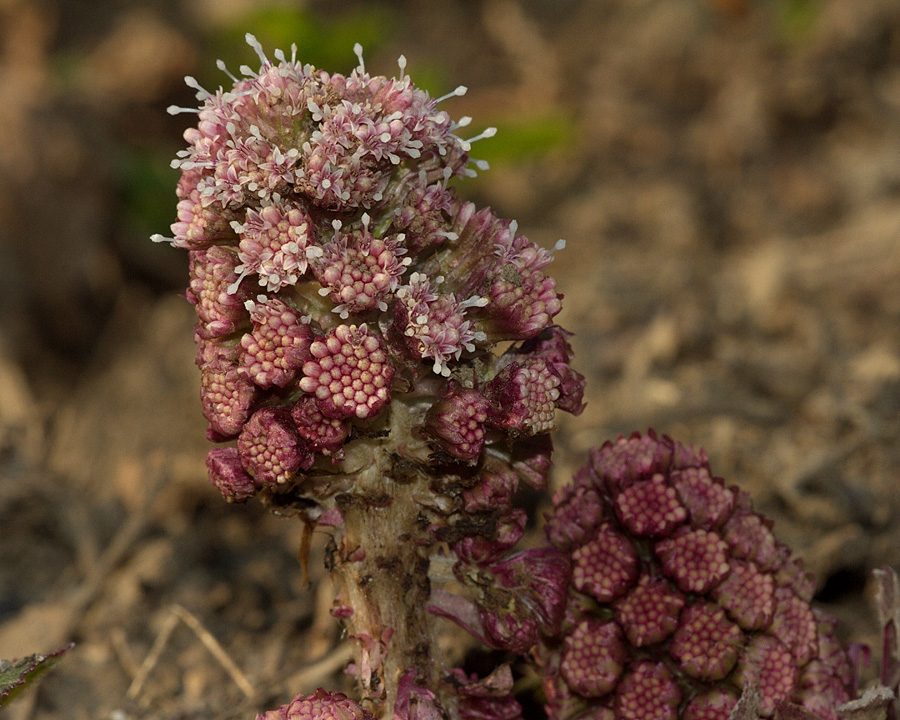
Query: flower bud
{"points": [[228, 476]]}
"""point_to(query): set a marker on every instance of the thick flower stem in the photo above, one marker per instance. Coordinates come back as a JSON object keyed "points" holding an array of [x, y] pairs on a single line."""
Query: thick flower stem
{"points": [[382, 574]]}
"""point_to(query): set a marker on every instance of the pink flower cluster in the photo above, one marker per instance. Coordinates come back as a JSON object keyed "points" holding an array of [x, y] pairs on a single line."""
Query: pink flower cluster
{"points": [[335, 272]]}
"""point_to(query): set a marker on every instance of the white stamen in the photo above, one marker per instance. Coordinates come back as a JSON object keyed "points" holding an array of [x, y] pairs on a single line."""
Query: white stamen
{"points": [[341, 310], [488, 132], [315, 110], [221, 65], [192, 83], [324, 291], [401, 61], [233, 288], [175, 110], [358, 51], [481, 164], [458, 92], [462, 122], [560, 245], [474, 301], [157, 238], [254, 43]]}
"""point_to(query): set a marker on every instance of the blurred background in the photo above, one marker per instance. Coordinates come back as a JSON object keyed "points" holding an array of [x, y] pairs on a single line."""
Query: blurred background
{"points": [[726, 174]]}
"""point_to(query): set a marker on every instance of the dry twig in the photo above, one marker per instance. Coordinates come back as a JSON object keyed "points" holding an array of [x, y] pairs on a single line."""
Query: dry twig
{"points": [[176, 613]]}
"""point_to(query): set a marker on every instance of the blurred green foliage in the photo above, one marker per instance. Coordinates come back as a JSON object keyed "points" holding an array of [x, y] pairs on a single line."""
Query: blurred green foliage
{"points": [[324, 42], [523, 137], [148, 186], [797, 18]]}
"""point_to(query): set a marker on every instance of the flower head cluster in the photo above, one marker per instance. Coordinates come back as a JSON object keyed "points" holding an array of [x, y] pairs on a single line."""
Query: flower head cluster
{"points": [[680, 597], [335, 273]]}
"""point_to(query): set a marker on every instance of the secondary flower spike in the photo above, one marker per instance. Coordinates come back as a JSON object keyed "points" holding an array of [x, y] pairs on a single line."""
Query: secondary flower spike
{"points": [[680, 597]]}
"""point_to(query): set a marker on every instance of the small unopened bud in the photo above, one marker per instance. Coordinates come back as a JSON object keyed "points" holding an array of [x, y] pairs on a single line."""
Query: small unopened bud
{"points": [[228, 476]]}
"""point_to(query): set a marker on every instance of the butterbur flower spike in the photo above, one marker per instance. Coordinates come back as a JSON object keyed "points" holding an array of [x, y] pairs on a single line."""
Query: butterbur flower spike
{"points": [[349, 307], [330, 257]]}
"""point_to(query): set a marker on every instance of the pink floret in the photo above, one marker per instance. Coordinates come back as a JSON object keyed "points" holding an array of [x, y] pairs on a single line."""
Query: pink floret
{"points": [[523, 398], [455, 424], [326, 435], [350, 373], [606, 566], [650, 508], [360, 271], [649, 613], [276, 242], [647, 692], [212, 274], [278, 345], [270, 448], [227, 396], [695, 559], [594, 657], [706, 644]]}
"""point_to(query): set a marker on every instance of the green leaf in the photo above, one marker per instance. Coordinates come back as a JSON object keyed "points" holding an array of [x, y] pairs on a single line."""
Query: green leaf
{"points": [[16, 675]]}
